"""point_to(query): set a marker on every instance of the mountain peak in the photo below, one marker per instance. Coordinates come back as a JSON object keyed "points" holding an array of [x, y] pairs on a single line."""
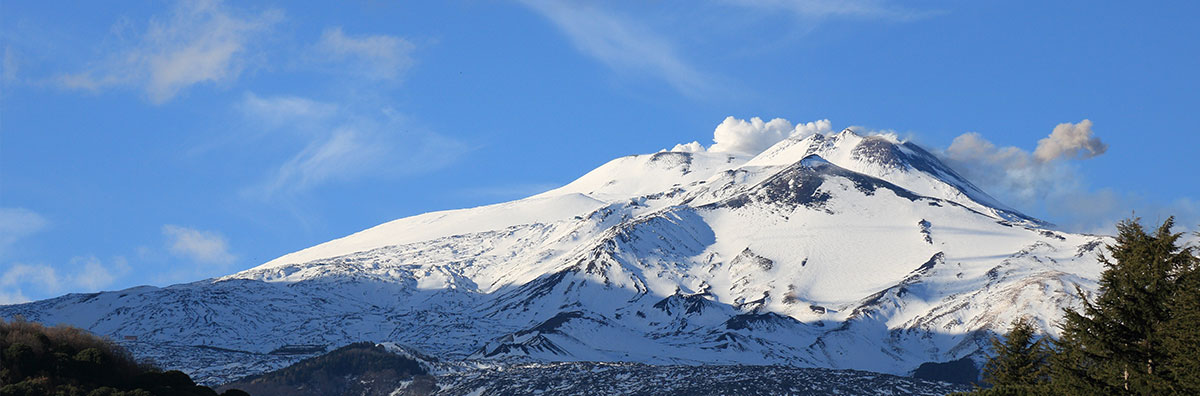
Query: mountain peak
{"points": [[889, 158]]}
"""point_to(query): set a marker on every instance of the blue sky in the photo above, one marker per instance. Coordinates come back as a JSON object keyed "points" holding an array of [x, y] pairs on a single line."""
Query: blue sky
{"points": [[157, 142]]}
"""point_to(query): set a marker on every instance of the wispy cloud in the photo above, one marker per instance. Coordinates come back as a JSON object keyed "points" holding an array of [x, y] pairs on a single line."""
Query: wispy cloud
{"points": [[823, 9], [199, 246], [284, 110], [18, 223], [376, 57], [200, 41], [623, 44], [345, 154], [345, 138], [627, 42], [343, 143]]}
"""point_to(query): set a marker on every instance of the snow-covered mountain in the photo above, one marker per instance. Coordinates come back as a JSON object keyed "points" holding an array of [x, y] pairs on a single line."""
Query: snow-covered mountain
{"points": [[833, 251]]}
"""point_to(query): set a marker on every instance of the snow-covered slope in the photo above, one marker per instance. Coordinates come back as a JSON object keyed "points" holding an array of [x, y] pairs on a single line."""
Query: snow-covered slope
{"points": [[841, 251]]}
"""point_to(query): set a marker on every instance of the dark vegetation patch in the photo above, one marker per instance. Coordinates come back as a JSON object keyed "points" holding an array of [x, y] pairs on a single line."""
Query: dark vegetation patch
{"points": [[64, 360], [961, 371]]}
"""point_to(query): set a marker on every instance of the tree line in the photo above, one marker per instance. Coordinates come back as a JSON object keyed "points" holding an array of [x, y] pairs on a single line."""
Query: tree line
{"points": [[1139, 336]]}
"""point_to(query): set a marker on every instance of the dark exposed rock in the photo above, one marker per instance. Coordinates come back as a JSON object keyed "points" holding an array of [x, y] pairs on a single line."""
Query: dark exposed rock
{"points": [[588, 378]]}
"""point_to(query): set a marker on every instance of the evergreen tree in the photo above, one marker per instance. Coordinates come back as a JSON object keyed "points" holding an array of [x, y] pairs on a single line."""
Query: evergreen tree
{"points": [[1021, 358], [1115, 345], [1181, 335], [1020, 366]]}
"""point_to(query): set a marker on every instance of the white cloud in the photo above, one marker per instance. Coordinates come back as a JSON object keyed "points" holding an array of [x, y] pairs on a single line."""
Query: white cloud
{"points": [[378, 57], [17, 223], [735, 135], [622, 44], [202, 247], [693, 147], [812, 128], [200, 41], [749, 137], [1069, 141]]}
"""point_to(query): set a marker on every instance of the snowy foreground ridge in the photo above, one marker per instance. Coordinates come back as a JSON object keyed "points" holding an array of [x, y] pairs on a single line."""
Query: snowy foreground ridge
{"points": [[831, 251]]}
